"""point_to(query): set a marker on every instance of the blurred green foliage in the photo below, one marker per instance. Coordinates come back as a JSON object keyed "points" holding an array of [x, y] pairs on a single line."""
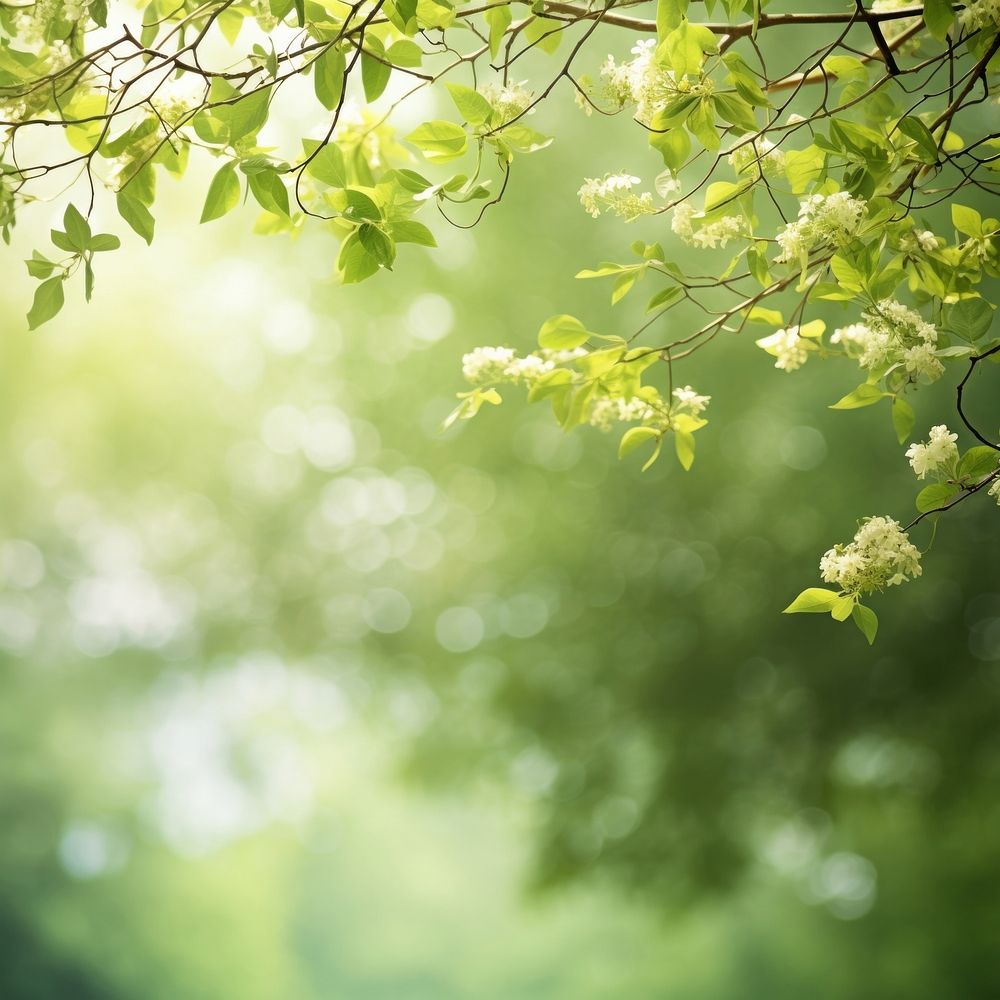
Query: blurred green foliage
{"points": [[247, 586]]}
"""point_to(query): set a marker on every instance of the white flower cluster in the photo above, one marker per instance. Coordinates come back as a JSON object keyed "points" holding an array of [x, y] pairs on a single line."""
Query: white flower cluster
{"points": [[606, 410], [881, 555], [994, 491], [32, 24], [787, 347], [891, 334], [761, 155], [938, 455], [980, 15], [639, 81], [709, 235], [833, 218], [613, 193], [651, 408], [509, 101], [487, 365]]}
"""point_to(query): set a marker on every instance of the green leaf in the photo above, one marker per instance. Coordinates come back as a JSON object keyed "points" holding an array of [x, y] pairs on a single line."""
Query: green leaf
{"points": [[915, 129], [674, 145], [669, 14], [357, 206], [405, 53], [523, 139], [103, 242], [328, 77], [408, 231], [472, 106], [223, 193], [375, 72], [736, 111], [978, 462], [866, 620], [864, 395], [269, 190], [49, 298], [355, 263], [938, 16], [935, 496], [903, 418], [814, 600], [439, 140], [842, 608], [63, 241], [246, 116], [377, 244], [969, 318], [77, 228], [634, 437], [562, 333], [663, 297], [327, 164], [967, 220], [136, 214], [652, 458], [684, 446], [498, 18], [39, 266]]}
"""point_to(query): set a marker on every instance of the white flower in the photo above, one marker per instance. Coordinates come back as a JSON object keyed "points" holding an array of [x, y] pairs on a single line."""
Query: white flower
{"points": [[891, 334], [927, 240], [919, 241], [613, 193], [708, 235], [881, 555], [938, 454], [689, 401], [833, 218], [994, 491], [788, 347]]}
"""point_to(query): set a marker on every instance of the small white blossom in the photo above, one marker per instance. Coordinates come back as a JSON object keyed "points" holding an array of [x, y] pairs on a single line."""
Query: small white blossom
{"points": [[787, 347], [881, 555], [938, 454], [919, 241], [689, 401], [994, 491], [613, 193]]}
